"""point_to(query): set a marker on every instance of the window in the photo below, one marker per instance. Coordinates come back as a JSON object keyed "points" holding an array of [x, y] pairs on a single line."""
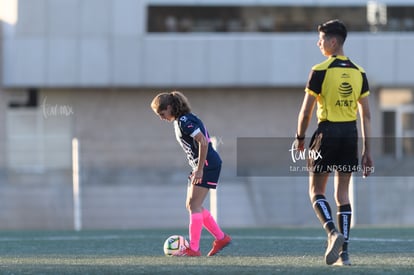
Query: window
{"points": [[269, 18], [26, 99]]}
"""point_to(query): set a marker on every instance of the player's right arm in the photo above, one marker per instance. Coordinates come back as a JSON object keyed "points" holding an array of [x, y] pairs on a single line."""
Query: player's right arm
{"points": [[304, 118]]}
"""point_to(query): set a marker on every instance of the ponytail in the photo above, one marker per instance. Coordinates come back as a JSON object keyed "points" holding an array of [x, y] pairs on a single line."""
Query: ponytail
{"points": [[178, 102]]}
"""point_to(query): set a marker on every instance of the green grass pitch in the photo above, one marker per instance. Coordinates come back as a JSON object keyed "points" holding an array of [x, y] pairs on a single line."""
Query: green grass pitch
{"points": [[253, 251]]}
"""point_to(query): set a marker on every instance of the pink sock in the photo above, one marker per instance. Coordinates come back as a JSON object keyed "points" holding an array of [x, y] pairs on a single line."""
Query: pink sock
{"points": [[195, 228], [211, 225]]}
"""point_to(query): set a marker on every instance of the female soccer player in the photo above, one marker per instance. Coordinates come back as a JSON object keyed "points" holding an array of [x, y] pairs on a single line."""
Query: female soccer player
{"points": [[340, 89], [205, 163]]}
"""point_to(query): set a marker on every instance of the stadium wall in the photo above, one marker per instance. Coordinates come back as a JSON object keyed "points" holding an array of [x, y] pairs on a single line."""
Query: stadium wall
{"points": [[94, 80], [56, 44], [3, 104], [130, 159]]}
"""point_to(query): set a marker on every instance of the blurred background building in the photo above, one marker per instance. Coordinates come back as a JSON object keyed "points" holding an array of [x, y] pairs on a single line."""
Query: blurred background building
{"points": [[88, 69]]}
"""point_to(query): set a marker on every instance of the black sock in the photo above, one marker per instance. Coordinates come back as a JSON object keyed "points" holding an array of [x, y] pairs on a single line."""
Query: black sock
{"points": [[344, 215], [323, 212]]}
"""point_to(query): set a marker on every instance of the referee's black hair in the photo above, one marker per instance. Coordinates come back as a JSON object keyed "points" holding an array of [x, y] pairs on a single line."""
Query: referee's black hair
{"points": [[334, 28]]}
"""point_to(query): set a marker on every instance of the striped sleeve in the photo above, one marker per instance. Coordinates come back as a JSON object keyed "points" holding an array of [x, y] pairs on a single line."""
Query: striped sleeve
{"points": [[365, 86], [314, 85]]}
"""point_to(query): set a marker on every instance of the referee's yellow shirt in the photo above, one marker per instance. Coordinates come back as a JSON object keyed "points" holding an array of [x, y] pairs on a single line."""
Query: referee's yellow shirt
{"points": [[338, 84]]}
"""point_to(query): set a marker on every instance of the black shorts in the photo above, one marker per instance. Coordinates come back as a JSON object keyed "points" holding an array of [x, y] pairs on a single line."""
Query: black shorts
{"points": [[210, 177], [334, 147]]}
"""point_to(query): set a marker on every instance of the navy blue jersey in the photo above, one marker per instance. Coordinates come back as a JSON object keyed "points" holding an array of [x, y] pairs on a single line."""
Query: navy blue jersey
{"points": [[186, 128]]}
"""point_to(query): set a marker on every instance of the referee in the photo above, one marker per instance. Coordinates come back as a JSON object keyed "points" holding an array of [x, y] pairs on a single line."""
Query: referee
{"points": [[340, 89]]}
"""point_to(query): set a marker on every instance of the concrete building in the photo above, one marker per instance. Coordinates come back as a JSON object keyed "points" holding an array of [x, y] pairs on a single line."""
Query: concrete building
{"points": [[89, 69]]}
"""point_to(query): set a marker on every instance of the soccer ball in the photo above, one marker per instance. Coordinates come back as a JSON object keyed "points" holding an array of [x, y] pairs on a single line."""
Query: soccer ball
{"points": [[174, 245]]}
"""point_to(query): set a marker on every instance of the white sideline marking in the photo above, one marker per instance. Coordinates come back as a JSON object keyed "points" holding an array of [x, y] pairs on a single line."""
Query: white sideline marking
{"points": [[61, 238], [305, 238], [235, 237]]}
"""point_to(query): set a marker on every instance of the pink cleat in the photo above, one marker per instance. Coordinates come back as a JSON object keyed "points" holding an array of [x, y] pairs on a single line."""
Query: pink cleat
{"points": [[218, 245], [188, 252]]}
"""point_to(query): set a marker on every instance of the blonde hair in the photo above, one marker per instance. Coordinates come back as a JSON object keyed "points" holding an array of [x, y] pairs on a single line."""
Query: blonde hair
{"points": [[178, 102]]}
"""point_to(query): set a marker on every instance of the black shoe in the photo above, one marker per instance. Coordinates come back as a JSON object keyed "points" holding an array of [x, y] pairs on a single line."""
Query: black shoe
{"points": [[335, 242]]}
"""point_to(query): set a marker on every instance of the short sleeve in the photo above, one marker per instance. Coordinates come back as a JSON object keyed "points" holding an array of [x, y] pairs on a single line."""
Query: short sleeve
{"points": [[315, 80], [365, 86], [189, 126]]}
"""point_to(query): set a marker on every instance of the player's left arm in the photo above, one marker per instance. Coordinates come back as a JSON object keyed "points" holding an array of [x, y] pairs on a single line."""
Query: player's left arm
{"points": [[202, 155], [365, 117]]}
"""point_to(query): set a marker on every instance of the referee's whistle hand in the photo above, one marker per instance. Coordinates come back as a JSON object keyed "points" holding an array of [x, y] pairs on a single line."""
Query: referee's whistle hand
{"points": [[299, 144]]}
